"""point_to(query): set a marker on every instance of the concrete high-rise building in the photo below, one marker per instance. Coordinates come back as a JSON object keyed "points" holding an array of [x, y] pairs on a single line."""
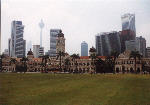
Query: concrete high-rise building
{"points": [[53, 36], [41, 51], [128, 29], [132, 45], [139, 44], [41, 25], [142, 45], [38, 51], [126, 35], [84, 49], [148, 52], [17, 45], [128, 22], [107, 42]]}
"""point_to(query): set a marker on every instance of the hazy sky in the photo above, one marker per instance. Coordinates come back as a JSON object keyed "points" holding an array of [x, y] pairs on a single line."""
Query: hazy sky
{"points": [[80, 20]]}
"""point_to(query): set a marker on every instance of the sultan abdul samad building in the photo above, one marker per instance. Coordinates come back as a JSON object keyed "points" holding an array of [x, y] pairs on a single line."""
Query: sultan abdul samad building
{"points": [[72, 64]]}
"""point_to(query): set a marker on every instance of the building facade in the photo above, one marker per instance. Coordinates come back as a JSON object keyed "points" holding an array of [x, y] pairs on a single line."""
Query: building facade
{"points": [[126, 35], [128, 22], [132, 45], [84, 49], [148, 52], [53, 36], [142, 45], [107, 42], [38, 51], [17, 45]]}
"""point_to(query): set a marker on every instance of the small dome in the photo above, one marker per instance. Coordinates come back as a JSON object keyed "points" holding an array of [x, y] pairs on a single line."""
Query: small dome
{"points": [[92, 49], [30, 52]]}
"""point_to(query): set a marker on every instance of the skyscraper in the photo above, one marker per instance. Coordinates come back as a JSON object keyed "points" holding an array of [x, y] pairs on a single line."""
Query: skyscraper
{"points": [[53, 36], [38, 51], [139, 44], [132, 45], [84, 49], [128, 22], [17, 43], [107, 42], [128, 29], [142, 45]]}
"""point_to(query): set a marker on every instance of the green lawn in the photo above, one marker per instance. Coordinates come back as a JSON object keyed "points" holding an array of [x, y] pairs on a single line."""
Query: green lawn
{"points": [[69, 89]]}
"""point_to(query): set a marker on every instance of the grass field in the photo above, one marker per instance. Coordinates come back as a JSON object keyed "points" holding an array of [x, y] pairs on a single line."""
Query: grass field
{"points": [[69, 89]]}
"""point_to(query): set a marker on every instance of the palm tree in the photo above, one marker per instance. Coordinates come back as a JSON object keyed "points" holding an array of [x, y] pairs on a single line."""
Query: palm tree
{"points": [[24, 62], [45, 59], [93, 57], [67, 63], [74, 57], [115, 55], [60, 55], [135, 55], [1, 61], [13, 61], [100, 64], [109, 64]]}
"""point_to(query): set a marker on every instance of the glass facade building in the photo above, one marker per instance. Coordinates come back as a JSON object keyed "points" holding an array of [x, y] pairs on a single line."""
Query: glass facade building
{"points": [[53, 36], [84, 49], [17, 44], [107, 42], [128, 22]]}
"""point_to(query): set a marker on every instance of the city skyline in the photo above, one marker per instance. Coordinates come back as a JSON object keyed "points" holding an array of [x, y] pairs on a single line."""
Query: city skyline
{"points": [[78, 20]]}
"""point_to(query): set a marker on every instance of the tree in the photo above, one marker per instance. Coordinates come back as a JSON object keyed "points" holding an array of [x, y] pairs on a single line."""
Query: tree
{"points": [[100, 64], [115, 55], [13, 61], [93, 57], [67, 63], [1, 61], [74, 57], [24, 62], [60, 55], [45, 59], [109, 64], [135, 55]]}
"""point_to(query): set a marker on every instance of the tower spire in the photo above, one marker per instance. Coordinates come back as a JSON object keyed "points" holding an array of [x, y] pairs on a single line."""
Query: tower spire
{"points": [[41, 25]]}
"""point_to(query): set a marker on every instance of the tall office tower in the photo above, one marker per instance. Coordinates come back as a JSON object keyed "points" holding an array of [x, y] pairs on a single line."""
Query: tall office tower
{"points": [[60, 43], [132, 45], [126, 35], [148, 52], [107, 42], [142, 45], [53, 36], [84, 49], [128, 22], [17, 43], [128, 29], [41, 25], [41, 51], [38, 51]]}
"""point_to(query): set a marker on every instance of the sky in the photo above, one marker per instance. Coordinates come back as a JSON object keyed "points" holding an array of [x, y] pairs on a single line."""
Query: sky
{"points": [[80, 20]]}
